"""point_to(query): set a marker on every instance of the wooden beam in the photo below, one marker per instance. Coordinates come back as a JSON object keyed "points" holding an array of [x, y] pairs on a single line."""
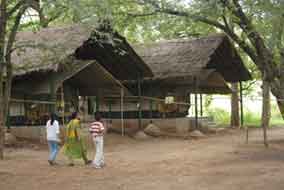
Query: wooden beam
{"points": [[32, 101], [149, 98]]}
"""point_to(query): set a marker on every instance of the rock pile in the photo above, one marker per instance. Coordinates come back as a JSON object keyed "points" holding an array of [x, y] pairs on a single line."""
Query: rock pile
{"points": [[153, 130]]}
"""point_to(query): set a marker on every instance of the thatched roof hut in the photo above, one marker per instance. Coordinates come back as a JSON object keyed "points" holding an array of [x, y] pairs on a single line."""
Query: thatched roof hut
{"points": [[61, 53], [212, 60]]}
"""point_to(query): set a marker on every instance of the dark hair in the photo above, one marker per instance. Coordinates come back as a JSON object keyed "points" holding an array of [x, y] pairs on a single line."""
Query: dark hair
{"points": [[52, 118], [98, 116], [74, 115]]}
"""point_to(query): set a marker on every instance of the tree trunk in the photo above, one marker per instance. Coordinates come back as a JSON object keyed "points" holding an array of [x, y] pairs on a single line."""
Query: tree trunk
{"points": [[235, 116], [265, 110], [3, 24], [278, 92], [2, 130], [277, 87], [280, 104]]}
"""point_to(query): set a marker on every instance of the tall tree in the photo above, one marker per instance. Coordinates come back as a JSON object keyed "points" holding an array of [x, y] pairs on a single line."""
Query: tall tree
{"points": [[10, 20]]}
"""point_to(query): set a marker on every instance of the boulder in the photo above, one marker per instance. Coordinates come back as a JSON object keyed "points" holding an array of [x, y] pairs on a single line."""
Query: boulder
{"points": [[35, 147], [153, 130], [140, 135], [197, 134], [10, 139], [221, 130]]}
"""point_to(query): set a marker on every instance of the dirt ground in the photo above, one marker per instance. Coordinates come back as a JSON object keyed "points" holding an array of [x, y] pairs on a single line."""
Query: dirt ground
{"points": [[222, 162]]}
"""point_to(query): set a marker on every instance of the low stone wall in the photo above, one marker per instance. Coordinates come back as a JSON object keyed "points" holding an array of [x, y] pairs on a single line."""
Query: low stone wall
{"points": [[38, 133], [179, 125], [29, 132]]}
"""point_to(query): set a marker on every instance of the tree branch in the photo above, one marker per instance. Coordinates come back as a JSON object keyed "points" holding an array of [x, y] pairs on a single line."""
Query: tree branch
{"points": [[14, 30], [246, 48], [279, 37], [141, 15], [33, 3], [265, 60], [15, 8]]}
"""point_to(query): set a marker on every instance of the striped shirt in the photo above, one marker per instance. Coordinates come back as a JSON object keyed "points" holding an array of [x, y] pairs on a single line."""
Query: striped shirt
{"points": [[97, 129]]}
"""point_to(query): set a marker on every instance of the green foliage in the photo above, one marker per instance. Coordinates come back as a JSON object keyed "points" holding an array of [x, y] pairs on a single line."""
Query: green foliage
{"points": [[251, 118], [207, 102], [220, 116], [137, 22]]}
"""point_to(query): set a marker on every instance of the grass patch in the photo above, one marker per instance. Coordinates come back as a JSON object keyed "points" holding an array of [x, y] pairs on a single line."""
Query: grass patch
{"points": [[222, 117]]}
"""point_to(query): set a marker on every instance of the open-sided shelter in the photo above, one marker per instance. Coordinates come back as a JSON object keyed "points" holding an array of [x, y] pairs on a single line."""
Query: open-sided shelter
{"points": [[182, 67]]}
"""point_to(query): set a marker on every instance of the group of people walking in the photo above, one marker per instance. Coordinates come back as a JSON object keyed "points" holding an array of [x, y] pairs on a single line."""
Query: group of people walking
{"points": [[74, 146]]}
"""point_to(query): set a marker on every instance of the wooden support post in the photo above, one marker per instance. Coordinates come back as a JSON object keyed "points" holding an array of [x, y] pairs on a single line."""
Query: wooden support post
{"points": [[63, 104], [201, 105], [109, 112], [151, 111], [97, 103], [195, 103], [109, 115], [188, 101], [25, 106], [52, 96], [140, 103], [8, 119], [93, 102], [241, 104], [151, 105], [242, 112], [122, 110]]}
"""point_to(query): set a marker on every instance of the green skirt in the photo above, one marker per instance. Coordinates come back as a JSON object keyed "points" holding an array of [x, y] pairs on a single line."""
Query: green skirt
{"points": [[74, 149]]}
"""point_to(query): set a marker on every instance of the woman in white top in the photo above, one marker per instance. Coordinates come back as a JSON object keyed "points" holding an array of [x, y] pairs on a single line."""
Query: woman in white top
{"points": [[52, 136]]}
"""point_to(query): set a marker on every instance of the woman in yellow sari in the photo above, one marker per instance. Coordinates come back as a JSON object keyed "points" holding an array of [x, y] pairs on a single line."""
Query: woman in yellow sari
{"points": [[74, 147]]}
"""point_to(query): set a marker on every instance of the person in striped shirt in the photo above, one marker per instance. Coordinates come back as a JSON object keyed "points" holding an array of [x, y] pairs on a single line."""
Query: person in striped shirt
{"points": [[97, 130]]}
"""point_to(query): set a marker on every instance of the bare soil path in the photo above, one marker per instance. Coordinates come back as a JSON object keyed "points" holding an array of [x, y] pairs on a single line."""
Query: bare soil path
{"points": [[223, 162]]}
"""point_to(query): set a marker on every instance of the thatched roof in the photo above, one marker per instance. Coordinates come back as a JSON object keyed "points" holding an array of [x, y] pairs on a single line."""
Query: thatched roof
{"points": [[44, 50], [189, 57], [47, 49]]}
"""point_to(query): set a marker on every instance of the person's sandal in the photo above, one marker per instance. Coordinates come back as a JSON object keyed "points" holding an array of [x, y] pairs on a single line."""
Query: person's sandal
{"points": [[88, 162], [71, 164], [51, 162]]}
